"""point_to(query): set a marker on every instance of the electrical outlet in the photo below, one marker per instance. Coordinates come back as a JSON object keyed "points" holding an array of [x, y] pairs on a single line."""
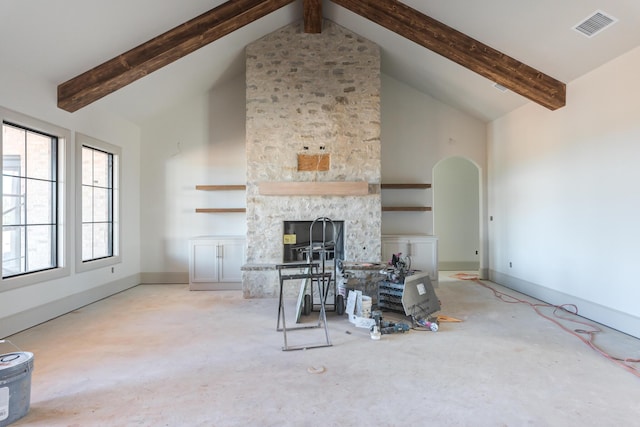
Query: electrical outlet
{"points": [[510, 264], [113, 269]]}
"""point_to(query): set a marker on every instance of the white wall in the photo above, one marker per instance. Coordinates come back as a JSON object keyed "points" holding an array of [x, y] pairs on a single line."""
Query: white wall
{"points": [[200, 141], [26, 306], [418, 132], [564, 199]]}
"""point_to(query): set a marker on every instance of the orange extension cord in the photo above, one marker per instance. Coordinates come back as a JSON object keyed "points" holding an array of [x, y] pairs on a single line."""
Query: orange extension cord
{"points": [[587, 336]]}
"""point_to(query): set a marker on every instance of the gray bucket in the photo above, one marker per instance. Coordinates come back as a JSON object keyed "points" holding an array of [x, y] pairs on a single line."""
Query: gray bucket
{"points": [[15, 386]]}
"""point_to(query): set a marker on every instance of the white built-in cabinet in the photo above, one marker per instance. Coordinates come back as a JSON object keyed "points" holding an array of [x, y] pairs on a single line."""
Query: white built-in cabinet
{"points": [[215, 262], [422, 249]]}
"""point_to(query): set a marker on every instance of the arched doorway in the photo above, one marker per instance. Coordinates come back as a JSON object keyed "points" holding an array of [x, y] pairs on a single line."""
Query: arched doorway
{"points": [[456, 214]]}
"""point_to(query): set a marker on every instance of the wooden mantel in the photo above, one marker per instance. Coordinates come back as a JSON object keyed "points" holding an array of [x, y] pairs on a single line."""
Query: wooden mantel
{"points": [[314, 188]]}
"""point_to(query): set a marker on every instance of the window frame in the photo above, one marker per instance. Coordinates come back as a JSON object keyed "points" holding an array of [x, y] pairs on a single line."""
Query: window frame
{"points": [[63, 200], [82, 140]]}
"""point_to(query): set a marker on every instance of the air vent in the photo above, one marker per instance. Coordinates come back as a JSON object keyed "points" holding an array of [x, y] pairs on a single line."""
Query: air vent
{"points": [[595, 23], [500, 87]]}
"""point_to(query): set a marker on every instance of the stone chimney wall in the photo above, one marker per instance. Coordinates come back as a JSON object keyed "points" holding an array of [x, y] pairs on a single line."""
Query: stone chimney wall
{"points": [[312, 94]]}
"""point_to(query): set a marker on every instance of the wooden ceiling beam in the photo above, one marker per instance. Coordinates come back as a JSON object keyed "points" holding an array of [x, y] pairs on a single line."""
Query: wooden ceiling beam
{"points": [[462, 49], [312, 16], [162, 50]]}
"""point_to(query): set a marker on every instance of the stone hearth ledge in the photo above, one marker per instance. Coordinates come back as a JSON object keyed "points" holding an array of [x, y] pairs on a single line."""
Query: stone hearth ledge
{"points": [[258, 267], [363, 276], [347, 265]]}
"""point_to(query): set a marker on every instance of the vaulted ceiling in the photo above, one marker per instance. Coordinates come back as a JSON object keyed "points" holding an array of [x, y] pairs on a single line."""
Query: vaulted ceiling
{"points": [[57, 41]]}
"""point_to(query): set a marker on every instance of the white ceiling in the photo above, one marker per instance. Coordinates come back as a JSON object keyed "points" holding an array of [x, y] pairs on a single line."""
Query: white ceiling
{"points": [[57, 40]]}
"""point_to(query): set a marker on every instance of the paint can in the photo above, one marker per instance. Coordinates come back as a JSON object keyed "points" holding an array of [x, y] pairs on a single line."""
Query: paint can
{"points": [[15, 386]]}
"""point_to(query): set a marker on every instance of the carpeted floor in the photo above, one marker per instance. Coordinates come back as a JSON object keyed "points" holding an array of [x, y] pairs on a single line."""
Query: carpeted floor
{"points": [[161, 355]]}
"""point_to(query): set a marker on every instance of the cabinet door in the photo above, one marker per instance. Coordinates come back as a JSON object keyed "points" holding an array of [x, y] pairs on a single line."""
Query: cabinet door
{"points": [[230, 260], [204, 261], [391, 246], [424, 256], [423, 251]]}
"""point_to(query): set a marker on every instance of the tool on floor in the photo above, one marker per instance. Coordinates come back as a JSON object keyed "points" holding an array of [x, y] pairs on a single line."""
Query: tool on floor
{"points": [[413, 295], [394, 328], [430, 323], [384, 327]]}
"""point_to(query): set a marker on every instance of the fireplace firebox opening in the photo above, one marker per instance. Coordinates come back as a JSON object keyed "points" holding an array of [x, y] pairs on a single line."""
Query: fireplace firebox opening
{"points": [[298, 243]]}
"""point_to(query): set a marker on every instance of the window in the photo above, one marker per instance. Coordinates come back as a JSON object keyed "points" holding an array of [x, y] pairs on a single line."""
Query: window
{"points": [[29, 218], [97, 204], [33, 200], [99, 208]]}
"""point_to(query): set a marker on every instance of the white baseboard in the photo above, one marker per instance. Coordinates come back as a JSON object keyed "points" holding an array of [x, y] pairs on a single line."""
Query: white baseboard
{"points": [[171, 278], [607, 316], [458, 265], [26, 319], [215, 286]]}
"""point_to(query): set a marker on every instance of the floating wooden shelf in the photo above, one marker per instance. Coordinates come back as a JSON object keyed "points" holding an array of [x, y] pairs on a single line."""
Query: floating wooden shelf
{"points": [[404, 186], [406, 209], [220, 210], [221, 187], [415, 186]]}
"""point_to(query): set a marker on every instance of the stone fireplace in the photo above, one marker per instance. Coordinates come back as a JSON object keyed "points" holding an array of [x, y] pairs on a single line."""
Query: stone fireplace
{"points": [[311, 96]]}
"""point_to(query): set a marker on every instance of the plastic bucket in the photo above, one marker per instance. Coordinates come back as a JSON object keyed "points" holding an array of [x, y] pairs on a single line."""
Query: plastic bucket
{"points": [[15, 386]]}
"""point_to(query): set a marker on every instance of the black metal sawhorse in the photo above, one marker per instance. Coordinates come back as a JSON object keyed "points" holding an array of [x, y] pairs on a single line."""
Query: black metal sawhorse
{"points": [[311, 273]]}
